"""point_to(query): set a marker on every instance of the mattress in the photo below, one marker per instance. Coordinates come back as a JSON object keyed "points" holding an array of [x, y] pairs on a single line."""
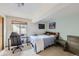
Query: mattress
{"points": [[48, 40]]}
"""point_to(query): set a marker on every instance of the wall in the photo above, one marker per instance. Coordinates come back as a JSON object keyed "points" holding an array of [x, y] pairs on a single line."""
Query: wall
{"points": [[66, 25], [33, 28]]}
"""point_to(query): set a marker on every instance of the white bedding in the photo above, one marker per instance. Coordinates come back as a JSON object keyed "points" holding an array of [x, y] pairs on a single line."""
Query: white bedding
{"points": [[38, 42]]}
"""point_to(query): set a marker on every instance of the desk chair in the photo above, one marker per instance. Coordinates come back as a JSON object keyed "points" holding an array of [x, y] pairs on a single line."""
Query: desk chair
{"points": [[15, 41]]}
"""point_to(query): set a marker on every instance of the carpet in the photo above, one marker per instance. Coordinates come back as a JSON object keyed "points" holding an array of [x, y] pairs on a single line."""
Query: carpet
{"points": [[28, 51]]}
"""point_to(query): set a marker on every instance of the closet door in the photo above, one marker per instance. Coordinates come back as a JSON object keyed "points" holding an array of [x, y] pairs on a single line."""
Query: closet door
{"points": [[1, 33]]}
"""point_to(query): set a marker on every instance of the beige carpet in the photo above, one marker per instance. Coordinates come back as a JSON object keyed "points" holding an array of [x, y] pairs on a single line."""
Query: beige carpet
{"points": [[55, 51], [28, 51]]}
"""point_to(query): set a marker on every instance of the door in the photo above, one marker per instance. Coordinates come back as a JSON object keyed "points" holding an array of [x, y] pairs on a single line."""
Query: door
{"points": [[1, 33]]}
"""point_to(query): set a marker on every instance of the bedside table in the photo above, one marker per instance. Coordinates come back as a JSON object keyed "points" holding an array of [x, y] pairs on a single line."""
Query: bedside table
{"points": [[62, 43]]}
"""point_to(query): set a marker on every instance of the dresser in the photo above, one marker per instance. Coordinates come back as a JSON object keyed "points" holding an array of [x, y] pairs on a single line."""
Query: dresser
{"points": [[73, 44]]}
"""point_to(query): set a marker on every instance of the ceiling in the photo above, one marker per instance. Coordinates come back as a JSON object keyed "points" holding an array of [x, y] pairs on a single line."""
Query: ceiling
{"points": [[38, 11], [29, 10], [64, 11]]}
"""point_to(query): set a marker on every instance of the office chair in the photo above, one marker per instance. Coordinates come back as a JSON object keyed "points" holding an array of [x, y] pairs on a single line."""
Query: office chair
{"points": [[15, 41]]}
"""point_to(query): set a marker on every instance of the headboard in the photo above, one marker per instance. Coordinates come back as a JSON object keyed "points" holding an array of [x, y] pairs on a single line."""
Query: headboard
{"points": [[57, 34], [51, 33]]}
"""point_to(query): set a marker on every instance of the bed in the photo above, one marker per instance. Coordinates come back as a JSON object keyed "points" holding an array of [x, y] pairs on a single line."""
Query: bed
{"points": [[39, 42]]}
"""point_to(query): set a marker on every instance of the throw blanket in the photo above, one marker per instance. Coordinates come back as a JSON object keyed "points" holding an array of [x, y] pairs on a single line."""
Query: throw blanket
{"points": [[38, 43]]}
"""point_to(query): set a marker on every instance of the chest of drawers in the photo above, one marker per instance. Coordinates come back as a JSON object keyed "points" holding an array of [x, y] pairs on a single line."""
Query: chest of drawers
{"points": [[73, 44]]}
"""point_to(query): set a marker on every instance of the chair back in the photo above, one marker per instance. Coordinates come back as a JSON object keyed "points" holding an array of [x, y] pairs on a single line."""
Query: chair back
{"points": [[15, 39]]}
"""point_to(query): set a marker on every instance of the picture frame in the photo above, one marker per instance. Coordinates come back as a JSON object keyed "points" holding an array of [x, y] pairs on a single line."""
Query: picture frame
{"points": [[41, 26], [52, 25]]}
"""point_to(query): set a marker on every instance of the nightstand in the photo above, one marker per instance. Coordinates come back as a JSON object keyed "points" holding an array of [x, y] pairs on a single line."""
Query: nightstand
{"points": [[62, 43]]}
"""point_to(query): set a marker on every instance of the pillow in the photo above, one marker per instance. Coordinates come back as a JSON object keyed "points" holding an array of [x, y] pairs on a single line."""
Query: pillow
{"points": [[52, 35], [47, 33], [35, 34]]}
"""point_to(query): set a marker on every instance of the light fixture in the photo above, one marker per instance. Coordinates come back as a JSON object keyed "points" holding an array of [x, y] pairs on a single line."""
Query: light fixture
{"points": [[20, 4]]}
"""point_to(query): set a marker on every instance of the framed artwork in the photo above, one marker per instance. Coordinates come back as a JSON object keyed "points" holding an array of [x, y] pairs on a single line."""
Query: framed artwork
{"points": [[41, 26], [52, 25]]}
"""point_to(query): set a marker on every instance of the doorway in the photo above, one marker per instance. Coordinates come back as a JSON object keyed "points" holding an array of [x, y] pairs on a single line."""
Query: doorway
{"points": [[1, 33]]}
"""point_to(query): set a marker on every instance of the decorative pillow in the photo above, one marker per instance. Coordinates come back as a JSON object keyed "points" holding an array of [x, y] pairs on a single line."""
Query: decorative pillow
{"points": [[47, 33], [52, 35]]}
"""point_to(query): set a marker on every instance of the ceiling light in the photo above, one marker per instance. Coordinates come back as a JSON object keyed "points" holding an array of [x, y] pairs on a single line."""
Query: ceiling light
{"points": [[20, 4]]}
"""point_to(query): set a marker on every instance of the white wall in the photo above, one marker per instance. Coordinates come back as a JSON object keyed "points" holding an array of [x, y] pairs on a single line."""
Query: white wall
{"points": [[33, 28], [66, 25]]}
